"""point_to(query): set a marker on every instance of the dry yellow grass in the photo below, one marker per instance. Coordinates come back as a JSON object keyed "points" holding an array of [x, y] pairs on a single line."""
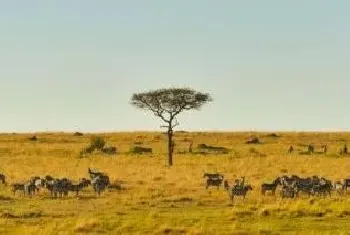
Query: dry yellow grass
{"points": [[162, 200]]}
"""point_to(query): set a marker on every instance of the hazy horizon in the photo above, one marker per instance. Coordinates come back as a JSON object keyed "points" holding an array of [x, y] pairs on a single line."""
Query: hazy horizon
{"points": [[269, 65]]}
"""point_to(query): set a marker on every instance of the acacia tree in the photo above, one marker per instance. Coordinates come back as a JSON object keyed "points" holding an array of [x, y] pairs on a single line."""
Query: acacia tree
{"points": [[167, 104]]}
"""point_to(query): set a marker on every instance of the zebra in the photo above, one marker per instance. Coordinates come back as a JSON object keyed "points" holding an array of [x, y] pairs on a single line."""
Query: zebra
{"points": [[303, 185], [48, 178], [38, 182], [78, 187], [99, 181], [285, 180], [16, 187], [346, 183], [324, 187], [58, 187], [85, 182], [94, 174], [339, 187], [213, 180], [289, 187], [270, 187], [27, 188], [288, 191], [75, 188], [239, 190]]}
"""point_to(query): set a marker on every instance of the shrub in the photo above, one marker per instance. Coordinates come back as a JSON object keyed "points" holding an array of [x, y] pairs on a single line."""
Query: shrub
{"points": [[273, 135], [33, 138], [97, 142], [140, 149], [78, 134], [253, 140], [109, 150], [213, 148]]}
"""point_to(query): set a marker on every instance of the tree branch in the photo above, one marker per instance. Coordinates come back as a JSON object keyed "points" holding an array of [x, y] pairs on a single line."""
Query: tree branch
{"points": [[158, 112]]}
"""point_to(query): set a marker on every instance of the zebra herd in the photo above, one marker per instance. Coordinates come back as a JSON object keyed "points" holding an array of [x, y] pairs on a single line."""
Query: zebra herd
{"points": [[289, 187], [59, 187], [292, 186]]}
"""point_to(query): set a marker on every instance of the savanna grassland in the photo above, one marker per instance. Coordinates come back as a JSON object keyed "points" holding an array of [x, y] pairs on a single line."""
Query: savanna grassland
{"points": [[156, 199]]}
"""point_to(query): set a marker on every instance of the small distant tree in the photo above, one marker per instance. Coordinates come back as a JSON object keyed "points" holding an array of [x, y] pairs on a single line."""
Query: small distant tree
{"points": [[167, 104]]}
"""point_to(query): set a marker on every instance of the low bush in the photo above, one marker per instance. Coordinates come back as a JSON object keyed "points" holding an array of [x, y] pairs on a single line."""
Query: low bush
{"points": [[109, 150], [140, 150]]}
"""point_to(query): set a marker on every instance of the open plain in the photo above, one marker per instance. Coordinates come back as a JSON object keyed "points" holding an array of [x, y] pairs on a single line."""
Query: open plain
{"points": [[157, 199]]}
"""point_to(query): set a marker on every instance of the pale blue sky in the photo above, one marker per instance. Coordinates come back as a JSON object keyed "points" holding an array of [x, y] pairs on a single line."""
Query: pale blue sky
{"points": [[269, 65]]}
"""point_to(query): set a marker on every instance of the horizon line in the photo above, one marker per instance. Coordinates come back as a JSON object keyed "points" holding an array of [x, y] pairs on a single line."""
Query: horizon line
{"points": [[180, 130]]}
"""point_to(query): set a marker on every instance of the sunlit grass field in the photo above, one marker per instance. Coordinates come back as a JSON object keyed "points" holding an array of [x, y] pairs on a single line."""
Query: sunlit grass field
{"points": [[156, 199]]}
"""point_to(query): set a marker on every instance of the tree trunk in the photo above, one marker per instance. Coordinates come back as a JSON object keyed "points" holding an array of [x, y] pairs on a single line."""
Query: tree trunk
{"points": [[170, 146]]}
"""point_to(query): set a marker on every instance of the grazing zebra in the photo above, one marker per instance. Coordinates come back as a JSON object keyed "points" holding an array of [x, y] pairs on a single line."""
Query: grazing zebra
{"points": [[58, 187], [75, 188], [239, 190], [270, 187], [213, 180], [2, 178], [324, 187], [27, 188], [83, 183], [16, 187]]}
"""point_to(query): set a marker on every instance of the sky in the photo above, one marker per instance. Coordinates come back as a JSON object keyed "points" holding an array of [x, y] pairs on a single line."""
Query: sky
{"points": [[269, 65]]}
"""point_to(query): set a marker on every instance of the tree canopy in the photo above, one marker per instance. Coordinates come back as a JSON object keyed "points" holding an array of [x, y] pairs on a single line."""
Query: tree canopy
{"points": [[170, 101]]}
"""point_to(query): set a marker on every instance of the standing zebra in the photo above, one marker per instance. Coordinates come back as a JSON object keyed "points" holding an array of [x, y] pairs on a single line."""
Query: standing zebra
{"points": [[270, 187], [99, 181]]}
